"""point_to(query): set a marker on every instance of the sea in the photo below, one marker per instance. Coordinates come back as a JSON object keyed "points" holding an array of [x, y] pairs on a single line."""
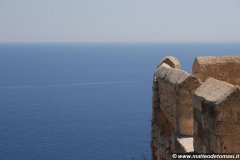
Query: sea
{"points": [[86, 101]]}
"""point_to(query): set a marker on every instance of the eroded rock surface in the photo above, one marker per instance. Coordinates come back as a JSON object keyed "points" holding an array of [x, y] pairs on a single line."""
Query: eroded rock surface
{"points": [[217, 117], [172, 108], [171, 61], [225, 68], [192, 114]]}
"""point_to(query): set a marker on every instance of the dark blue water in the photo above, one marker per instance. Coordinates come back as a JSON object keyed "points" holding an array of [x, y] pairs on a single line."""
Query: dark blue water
{"points": [[83, 102]]}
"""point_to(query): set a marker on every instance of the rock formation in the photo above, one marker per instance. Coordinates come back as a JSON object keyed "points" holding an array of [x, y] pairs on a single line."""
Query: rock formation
{"points": [[225, 68], [196, 109], [217, 117]]}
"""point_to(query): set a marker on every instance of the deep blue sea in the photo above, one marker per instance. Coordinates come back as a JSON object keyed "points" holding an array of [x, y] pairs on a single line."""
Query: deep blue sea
{"points": [[83, 101]]}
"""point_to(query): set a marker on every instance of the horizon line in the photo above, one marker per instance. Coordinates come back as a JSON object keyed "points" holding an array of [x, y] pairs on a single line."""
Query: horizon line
{"points": [[119, 42]]}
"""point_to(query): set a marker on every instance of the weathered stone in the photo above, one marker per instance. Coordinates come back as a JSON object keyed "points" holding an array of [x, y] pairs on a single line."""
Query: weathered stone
{"points": [[175, 90], [171, 75], [172, 108], [230, 144], [225, 68], [171, 61], [155, 95], [182, 107], [185, 145], [215, 91], [216, 111]]}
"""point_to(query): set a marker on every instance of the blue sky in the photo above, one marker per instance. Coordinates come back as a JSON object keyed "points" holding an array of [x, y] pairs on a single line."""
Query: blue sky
{"points": [[119, 20]]}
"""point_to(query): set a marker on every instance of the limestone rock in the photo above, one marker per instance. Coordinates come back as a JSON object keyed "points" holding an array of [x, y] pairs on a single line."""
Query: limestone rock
{"points": [[175, 94], [225, 68], [183, 107], [216, 117], [215, 91], [185, 145], [171, 61]]}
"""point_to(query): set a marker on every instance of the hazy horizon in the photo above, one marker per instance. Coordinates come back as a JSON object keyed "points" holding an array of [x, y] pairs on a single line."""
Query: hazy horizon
{"points": [[134, 21]]}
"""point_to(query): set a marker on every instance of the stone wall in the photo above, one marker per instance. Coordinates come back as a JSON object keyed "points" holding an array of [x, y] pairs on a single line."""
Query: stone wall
{"points": [[217, 117], [172, 107], [188, 115], [225, 68], [175, 89]]}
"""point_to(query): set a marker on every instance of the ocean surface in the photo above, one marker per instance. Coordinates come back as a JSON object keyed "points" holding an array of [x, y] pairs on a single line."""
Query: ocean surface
{"points": [[83, 101]]}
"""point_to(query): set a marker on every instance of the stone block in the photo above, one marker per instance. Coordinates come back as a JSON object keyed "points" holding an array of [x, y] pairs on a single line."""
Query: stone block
{"points": [[181, 104], [184, 144], [225, 68], [176, 88], [216, 117], [171, 61]]}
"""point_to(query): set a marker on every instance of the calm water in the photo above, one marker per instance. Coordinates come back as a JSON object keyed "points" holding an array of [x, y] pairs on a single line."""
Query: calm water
{"points": [[83, 102]]}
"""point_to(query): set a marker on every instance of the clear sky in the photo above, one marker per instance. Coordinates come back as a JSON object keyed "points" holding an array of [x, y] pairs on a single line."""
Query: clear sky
{"points": [[119, 20]]}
